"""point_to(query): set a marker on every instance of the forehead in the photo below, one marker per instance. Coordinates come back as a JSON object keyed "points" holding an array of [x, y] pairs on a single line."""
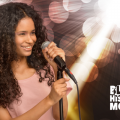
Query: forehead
{"points": [[25, 24]]}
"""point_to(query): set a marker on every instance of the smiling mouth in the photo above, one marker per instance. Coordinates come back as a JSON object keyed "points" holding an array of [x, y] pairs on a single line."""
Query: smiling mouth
{"points": [[27, 48]]}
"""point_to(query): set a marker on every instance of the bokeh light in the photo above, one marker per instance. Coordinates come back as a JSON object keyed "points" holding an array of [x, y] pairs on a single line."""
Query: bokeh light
{"points": [[48, 23], [72, 5], [91, 26], [118, 51], [4, 1], [115, 36], [57, 13], [67, 44], [86, 1]]}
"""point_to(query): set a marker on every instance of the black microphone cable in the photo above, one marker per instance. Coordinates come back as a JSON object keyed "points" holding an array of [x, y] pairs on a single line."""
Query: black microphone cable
{"points": [[75, 81], [78, 101]]}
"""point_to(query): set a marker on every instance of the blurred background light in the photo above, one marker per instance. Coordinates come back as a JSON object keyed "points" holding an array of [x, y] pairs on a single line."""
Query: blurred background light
{"points": [[103, 4], [46, 21], [4, 1], [93, 48], [118, 51], [91, 26], [72, 5], [111, 11], [67, 44], [80, 45], [115, 36], [86, 1], [57, 13]]}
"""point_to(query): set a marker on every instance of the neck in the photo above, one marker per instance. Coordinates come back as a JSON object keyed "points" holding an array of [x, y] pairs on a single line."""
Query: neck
{"points": [[20, 65]]}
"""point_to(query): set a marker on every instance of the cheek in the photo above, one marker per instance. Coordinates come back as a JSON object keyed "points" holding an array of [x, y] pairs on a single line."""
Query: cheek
{"points": [[34, 38], [18, 41]]}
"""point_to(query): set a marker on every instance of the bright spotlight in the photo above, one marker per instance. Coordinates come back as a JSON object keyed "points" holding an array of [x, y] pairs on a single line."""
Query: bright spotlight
{"points": [[112, 11]]}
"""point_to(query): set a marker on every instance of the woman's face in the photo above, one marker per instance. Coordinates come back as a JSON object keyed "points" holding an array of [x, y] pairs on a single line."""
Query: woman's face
{"points": [[25, 37]]}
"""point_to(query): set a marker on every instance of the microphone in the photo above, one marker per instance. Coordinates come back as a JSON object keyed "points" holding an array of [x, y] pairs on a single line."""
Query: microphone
{"points": [[60, 62]]}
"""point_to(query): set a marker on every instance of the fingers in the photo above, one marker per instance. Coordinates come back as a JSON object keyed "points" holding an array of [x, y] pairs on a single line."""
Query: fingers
{"points": [[51, 45], [58, 89], [61, 85], [52, 50], [62, 80]]}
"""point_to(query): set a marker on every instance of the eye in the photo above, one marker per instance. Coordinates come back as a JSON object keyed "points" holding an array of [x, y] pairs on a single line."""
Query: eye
{"points": [[22, 34], [33, 33]]}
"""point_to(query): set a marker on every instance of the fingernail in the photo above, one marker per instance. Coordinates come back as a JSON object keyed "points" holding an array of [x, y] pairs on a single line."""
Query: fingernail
{"points": [[67, 78]]}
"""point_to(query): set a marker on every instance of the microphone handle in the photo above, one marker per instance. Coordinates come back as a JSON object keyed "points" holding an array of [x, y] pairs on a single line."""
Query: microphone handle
{"points": [[60, 62], [62, 65]]}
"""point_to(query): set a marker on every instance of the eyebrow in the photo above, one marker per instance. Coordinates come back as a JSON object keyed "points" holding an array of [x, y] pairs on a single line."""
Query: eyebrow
{"points": [[25, 31]]}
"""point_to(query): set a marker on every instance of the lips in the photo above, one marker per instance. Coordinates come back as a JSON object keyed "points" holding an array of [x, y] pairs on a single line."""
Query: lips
{"points": [[27, 48]]}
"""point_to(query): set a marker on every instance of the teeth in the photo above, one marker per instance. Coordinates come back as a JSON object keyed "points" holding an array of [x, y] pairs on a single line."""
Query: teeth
{"points": [[28, 47]]}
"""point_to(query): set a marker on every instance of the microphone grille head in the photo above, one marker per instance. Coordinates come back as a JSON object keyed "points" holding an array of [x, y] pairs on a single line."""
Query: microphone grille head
{"points": [[45, 44]]}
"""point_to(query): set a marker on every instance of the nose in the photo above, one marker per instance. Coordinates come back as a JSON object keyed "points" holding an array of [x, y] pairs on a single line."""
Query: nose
{"points": [[29, 39]]}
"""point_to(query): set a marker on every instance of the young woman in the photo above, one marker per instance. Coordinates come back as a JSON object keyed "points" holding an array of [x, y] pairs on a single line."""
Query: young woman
{"points": [[28, 86]]}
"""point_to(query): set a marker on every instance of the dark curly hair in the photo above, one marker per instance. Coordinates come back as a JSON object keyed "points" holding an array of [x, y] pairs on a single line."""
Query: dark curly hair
{"points": [[10, 14]]}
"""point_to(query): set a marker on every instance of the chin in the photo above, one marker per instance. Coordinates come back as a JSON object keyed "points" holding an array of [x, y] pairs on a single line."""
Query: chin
{"points": [[25, 55], [28, 54]]}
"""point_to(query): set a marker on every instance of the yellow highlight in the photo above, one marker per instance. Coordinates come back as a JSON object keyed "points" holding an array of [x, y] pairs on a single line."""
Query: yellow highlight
{"points": [[79, 70]]}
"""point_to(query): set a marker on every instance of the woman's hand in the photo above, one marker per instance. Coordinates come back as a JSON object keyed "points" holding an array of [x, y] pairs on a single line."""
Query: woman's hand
{"points": [[59, 87], [51, 52], [58, 90]]}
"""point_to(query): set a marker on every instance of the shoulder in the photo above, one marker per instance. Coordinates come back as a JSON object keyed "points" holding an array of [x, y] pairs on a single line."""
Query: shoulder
{"points": [[4, 114]]}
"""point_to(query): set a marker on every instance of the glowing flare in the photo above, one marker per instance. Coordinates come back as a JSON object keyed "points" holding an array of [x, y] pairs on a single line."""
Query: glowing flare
{"points": [[103, 4]]}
